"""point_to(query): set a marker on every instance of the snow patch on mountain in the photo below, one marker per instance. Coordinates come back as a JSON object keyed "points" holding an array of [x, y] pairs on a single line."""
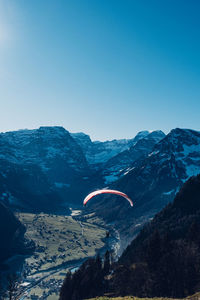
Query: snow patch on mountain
{"points": [[128, 170], [169, 193], [192, 170], [122, 163]]}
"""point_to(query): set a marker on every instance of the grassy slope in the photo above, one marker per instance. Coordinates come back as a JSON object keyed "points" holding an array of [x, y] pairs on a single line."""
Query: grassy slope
{"points": [[193, 297]]}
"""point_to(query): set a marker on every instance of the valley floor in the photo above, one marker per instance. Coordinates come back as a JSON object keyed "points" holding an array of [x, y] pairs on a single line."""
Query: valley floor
{"points": [[62, 243]]}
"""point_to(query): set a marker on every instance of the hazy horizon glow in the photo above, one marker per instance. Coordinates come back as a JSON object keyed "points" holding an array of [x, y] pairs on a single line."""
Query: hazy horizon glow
{"points": [[108, 68]]}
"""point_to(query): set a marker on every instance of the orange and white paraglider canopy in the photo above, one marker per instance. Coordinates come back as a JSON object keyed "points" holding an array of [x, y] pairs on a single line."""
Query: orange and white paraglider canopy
{"points": [[105, 191]]}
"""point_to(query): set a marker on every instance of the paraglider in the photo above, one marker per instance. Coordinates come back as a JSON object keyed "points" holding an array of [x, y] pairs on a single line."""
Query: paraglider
{"points": [[105, 191]]}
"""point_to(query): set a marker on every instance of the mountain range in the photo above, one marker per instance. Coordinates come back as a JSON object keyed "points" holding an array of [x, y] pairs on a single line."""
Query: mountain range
{"points": [[49, 168]]}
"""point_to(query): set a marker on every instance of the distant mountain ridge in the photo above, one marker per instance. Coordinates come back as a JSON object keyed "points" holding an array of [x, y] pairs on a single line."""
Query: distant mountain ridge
{"points": [[110, 158], [100, 152], [42, 168], [49, 168]]}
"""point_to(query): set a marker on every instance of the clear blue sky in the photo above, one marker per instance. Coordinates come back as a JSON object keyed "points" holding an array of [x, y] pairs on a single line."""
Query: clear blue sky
{"points": [[109, 68]]}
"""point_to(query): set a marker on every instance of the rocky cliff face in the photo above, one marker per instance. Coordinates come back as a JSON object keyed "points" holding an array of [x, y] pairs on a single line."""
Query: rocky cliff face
{"points": [[40, 168]]}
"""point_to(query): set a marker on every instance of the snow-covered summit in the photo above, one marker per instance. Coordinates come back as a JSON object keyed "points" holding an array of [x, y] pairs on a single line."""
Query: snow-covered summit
{"points": [[141, 135], [98, 153], [171, 162], [182, 145], [36, 146]]}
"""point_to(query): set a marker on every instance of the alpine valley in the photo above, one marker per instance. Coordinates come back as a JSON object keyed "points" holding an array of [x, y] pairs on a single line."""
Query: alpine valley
{"points": [[45, 174], [49, 169]]}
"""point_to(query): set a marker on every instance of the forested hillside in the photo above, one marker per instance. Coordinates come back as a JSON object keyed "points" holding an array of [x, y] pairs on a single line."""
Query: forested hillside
{"points": [[164, 260]]}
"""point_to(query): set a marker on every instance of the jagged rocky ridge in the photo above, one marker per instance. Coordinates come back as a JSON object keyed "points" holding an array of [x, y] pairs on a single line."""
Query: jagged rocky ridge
{"points": [[97, 153], [152, 181], [121, 163], [111, 158]]}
